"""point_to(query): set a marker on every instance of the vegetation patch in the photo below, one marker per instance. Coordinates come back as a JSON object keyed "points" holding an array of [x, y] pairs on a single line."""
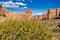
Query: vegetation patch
{"points": [[25, 30]]}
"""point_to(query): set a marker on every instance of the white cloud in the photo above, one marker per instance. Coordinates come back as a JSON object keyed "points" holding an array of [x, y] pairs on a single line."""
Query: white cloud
{"points": [[9, 6], [23, 0], [40, 13], [24, 7], [37, 14], [21, 4], [12, 4]]}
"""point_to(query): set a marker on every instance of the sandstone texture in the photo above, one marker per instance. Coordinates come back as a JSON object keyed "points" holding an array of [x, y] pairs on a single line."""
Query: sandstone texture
{"points": [[4, 14], [51, 14]]}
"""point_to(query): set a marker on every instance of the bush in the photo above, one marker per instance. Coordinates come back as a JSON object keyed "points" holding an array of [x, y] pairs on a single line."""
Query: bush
{"points": [[25, 30], [57, 30]]}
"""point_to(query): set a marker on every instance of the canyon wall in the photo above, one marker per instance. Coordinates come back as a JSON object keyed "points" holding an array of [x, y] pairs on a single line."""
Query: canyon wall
{"points": [[51, 14], [5, 14]]}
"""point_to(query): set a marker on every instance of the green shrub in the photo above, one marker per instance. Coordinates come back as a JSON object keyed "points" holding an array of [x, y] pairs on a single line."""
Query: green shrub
{"points": [[57, 30], [25, 30]]}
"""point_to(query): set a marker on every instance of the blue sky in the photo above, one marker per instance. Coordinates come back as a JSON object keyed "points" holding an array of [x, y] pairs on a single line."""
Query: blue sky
{"points": [[38, 7]]}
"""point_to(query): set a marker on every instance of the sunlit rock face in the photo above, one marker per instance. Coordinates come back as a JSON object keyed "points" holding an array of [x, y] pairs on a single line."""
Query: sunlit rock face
{"points": [[58, 12], [2, 13], [28, 14], [53, 13], [41, 17], [5, 14], [44, 16], [13, 15]]}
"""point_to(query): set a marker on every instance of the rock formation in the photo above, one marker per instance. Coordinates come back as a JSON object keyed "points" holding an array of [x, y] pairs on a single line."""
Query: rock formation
{"points": [[2, 11], [51, 14], [4, 14], [28, 13]]}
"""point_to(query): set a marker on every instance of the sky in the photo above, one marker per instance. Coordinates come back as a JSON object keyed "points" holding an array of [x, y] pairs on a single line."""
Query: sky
{"points": [[38, 7]]}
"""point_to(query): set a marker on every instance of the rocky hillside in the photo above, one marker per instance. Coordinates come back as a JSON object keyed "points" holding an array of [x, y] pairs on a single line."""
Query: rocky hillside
{"points": [[51, 14], [5, 14]]}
